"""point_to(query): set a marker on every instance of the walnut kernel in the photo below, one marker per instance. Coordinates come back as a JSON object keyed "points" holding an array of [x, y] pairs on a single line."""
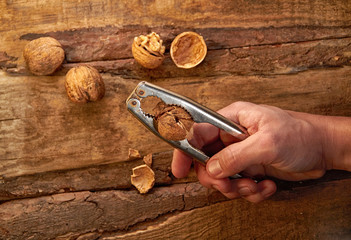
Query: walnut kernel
{"points": [[44, 55], [84, 84], [148, 50], [188, 50]]}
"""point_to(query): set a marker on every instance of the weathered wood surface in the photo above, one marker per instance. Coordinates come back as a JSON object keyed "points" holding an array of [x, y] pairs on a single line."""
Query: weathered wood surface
{"points": [[42, 130], [63, 168], [294, 214], [101, 31], [315, 212]]}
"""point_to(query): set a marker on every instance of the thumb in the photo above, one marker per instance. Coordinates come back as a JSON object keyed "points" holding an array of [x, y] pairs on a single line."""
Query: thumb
{"points": [[236, 157]]}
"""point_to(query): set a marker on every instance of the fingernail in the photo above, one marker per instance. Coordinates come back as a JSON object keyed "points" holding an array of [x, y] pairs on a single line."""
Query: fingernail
{"points": [[245, 191], [214, 168]]}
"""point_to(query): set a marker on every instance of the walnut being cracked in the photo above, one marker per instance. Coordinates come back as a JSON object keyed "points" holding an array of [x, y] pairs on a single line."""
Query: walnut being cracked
{"points": [[84, 84], [43, 56], [188, 50], [148, 50], [172, 122]]}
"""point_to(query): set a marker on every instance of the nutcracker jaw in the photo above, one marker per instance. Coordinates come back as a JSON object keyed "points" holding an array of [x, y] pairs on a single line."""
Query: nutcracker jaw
{"points": [[198, 113]]}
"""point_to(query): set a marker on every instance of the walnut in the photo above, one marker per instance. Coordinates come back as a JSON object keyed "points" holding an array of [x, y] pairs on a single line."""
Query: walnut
{"points": [[143, 178], [43, 55], [84, 84], [148, 50], [174, 123], [188, 50]]}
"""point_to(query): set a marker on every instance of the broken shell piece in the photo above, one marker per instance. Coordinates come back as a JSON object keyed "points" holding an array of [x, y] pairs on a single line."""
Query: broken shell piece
{"points": [[148, 50], [174, 123], [143, 178], [133, 154], [148, 159], [188, 49]]}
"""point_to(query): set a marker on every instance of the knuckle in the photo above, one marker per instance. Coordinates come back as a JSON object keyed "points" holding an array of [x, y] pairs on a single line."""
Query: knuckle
{"points": [[228, 160]]}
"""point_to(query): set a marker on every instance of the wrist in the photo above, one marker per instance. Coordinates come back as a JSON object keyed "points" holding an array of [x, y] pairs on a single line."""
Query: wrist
{"points": [[334, 134]]}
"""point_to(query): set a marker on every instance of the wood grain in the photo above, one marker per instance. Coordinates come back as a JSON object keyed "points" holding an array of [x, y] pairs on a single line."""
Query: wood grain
{"points": [[231, 51], [103, 30], [178, 211], [41, 130], [296, 214], [83, 212], [96, 178], [64, 172], [275, 59]]}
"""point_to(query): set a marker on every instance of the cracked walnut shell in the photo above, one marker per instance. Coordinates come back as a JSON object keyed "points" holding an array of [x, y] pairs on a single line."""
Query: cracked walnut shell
{"points": [[84, 84], [174, 123], [143, 178], [43, 56], [188, 50], [148, 50]]}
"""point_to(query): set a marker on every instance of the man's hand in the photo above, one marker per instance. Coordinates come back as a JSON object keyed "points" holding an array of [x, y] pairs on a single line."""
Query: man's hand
{"points": [[282, 144]]}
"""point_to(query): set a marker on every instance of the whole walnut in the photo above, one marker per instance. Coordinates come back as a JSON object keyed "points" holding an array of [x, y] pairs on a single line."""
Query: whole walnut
{"points": [[84, 84], [148, 50], [44, 55]]}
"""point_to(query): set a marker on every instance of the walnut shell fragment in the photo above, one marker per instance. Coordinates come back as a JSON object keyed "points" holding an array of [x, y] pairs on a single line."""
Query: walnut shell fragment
{"points": [[148, 50], [174, 123], [143, 178], [84, 84], [148, 159], [188, 50], [133, 154], [43, 56]]}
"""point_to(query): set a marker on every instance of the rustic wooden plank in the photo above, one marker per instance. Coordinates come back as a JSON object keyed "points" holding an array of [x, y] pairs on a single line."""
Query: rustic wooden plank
{"points": [[113, 176], [111, 43], [317, 211], [82, 212], [97, 178], [265, 60], [41, 130], [195, 13], [104, 28], [230, 52]]}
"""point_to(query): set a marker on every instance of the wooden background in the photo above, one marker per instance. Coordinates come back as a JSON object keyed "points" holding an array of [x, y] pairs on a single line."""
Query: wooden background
{"points": [[64, 169]]}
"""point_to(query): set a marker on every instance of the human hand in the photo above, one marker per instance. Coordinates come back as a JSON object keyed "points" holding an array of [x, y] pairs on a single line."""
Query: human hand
{"points": [[282, 144]]}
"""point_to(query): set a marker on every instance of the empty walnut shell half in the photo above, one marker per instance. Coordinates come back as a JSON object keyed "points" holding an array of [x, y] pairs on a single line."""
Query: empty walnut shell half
{"points": [[174, 123], [188, 49], [84, 84], [143, 178], [148, 50], [43, 56]]}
